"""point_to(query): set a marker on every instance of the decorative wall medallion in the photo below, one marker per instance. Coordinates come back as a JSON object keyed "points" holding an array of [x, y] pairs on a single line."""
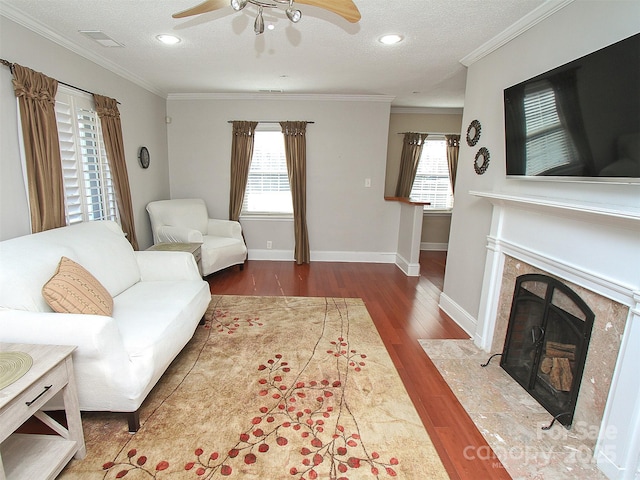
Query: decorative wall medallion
{"points": [[481, 167], [473, 133], [144, 157]]}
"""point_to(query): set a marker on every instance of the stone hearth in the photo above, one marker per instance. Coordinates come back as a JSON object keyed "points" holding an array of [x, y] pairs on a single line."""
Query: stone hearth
{"points": [[510, 419]]}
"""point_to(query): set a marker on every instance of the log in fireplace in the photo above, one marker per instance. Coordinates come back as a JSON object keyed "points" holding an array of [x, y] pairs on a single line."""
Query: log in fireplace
{"points": [[546, 343]]}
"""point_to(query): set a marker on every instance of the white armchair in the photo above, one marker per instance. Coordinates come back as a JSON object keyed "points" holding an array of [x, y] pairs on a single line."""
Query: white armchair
{"points": [[187, 221]]}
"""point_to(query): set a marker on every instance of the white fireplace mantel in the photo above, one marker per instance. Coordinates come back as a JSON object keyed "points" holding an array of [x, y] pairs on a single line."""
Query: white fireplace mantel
{"points": [[590, 211], [627, 217], [593, 245]]}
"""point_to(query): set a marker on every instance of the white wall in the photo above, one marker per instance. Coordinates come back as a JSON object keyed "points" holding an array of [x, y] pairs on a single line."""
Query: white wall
{"points": [[576, 30], [142, 115], [346, 144]]}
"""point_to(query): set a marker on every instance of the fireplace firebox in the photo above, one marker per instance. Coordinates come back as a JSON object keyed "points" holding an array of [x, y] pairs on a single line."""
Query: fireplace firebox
{"points": [[546, 343]]}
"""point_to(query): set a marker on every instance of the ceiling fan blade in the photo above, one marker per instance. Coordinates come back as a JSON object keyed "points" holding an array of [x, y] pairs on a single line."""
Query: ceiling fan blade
{"points": [[204, 7], [345, 8]]}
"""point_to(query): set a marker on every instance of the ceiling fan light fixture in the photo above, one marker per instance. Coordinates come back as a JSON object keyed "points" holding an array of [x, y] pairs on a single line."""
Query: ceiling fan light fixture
{"points": [[238, 5], [258, 26], [344, 8], [294, 15]]}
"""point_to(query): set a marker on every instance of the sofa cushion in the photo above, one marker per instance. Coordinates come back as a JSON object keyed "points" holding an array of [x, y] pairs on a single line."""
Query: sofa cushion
{"points": [[73, 289], [159, 315], [102, 248], [28, 262]]}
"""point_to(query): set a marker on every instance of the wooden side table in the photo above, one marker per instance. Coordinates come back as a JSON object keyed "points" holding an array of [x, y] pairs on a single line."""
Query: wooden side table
{"points": [[193, 248], [25, 456]]}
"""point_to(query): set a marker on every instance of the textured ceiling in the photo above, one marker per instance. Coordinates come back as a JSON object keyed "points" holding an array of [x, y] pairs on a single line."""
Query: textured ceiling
{"points": [[323, 54]]}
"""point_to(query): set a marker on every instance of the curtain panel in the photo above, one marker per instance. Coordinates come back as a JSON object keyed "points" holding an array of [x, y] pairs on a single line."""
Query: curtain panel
{"points": [[241, 153], [36, 98], [411, 150], [295, 146], [107, 110], [453, 148]]}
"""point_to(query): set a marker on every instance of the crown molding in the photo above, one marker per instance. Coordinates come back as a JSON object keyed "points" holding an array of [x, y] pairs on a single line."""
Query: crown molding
{"points": [[37, 27], [534, 17], [308, 97], [428, 110]]}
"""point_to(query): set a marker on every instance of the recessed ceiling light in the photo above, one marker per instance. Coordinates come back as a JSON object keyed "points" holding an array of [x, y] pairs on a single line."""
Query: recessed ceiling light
{"points": [[391, 39], [168, 39]]}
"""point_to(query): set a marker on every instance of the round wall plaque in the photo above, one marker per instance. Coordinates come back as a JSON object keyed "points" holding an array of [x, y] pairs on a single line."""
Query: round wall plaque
{"points": [[473, 133], [144, 157], [481, 167]]}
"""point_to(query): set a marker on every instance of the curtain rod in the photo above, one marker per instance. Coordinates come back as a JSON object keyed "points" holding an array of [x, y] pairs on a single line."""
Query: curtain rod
{"points": [[7, 63], [261, 121], [428, 133]]}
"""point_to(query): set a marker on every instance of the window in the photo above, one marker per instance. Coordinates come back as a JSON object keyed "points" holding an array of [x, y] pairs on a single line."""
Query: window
{"points": [[268, 191], [548, 145], [88, 186], [432, 182]]}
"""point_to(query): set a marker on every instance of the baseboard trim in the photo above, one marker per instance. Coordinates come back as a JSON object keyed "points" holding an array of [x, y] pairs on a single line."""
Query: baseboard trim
{"points": [[459, 315], [274, 255], [409, 269], [434, 247], [351, 257], [609, 468]]}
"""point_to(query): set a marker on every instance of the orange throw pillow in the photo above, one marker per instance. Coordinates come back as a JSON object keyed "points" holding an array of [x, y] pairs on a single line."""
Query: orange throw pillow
{"points": [[74, 290]]}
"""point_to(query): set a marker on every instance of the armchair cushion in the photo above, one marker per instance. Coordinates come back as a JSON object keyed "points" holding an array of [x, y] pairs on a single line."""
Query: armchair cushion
{"points": [[174, 234], [74, 290]]}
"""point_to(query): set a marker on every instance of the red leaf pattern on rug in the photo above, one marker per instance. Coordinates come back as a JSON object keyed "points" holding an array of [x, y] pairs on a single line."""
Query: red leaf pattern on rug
{"points": [[135, 464], [224, 325], [304, 408], [314, 411]]}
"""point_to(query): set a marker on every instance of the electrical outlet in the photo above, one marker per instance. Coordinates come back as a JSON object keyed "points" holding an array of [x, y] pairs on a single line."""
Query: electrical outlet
{"points": [[367, 182], [269, 244]]}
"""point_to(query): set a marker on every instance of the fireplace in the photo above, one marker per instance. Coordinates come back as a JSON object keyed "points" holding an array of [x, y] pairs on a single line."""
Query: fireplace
{"points": [[546, 342], [593, 248]]}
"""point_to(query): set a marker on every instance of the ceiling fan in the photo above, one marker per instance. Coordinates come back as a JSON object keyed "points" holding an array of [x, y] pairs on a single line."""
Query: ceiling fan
{"points": [[345, 8]]}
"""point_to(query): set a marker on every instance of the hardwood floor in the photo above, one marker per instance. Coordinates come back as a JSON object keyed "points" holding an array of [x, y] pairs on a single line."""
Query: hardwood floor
{"points": [[404, 309]]}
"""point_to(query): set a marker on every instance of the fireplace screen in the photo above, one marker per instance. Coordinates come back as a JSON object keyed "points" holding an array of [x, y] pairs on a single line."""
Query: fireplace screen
{"points": [[546, 343]]}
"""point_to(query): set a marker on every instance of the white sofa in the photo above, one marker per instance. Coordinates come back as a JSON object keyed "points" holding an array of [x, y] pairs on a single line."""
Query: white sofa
{"points": [[186, 220], [158, 300]]}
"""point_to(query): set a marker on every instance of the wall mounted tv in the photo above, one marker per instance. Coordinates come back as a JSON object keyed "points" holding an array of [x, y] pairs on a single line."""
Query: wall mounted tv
{"points": [[580, 121]]}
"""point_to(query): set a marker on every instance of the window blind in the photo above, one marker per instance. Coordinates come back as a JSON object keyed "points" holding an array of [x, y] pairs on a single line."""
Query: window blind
{"points": [[431, 183], [268, 190], [88, 185], [547, 145]]}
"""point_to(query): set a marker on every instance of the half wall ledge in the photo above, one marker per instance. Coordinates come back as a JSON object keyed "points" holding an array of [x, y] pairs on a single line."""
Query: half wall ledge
{"points": [[409, 235]]}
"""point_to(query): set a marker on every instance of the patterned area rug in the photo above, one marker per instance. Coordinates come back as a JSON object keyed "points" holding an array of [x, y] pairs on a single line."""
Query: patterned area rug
{"points": [[270, 388]]}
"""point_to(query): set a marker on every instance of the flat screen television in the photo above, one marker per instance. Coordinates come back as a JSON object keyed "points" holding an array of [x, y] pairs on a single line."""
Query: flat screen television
{"points": [[580, 121]]}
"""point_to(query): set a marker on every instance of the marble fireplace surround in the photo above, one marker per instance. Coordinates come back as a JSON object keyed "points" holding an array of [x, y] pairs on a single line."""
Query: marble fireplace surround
{"points": [[565, 239], [604, 345]]}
